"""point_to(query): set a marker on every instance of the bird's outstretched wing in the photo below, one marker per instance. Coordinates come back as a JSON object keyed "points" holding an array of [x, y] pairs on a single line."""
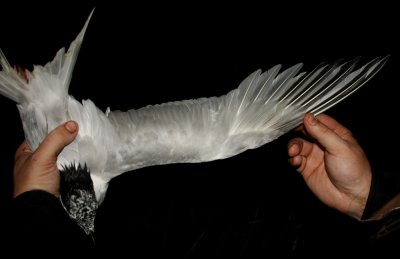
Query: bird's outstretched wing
{"points": [[263, 107]]}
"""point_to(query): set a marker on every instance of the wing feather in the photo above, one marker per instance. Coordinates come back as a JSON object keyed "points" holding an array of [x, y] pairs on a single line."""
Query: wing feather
{"points": [[41, 95], [263, 107]]}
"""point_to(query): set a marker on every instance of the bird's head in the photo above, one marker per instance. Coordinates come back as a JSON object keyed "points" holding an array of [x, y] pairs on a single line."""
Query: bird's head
{"points": [[78, 196]]}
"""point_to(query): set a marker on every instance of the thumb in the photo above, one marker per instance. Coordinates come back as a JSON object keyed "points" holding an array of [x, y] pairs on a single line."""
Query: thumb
{"points": [[324, 135], [57, 139]]}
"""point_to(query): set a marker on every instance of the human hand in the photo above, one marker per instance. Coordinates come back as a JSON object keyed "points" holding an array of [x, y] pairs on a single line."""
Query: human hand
{"points": [[38, 170], [334, 167]]}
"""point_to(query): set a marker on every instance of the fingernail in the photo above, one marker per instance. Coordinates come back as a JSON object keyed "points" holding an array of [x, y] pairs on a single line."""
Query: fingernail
{"points": [[70, 126], [312, 120]]}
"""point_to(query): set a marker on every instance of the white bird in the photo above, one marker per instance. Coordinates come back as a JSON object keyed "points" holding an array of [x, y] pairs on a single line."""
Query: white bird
{"points": [[265, 106]]}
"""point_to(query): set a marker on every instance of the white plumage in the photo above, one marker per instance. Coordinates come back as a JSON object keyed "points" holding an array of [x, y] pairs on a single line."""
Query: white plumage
{"points": [[265, 106]]}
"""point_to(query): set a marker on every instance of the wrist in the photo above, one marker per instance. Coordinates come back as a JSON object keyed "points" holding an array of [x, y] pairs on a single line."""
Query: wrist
{"points": [[358, 199], [21, 190]]}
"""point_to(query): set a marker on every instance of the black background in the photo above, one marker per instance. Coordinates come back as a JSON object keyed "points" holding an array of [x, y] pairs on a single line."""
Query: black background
{"points": [[139, 54]]}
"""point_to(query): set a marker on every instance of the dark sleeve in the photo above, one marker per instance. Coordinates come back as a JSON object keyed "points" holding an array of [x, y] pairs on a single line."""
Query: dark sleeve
{"points": [[37, 219], [384, 186]]}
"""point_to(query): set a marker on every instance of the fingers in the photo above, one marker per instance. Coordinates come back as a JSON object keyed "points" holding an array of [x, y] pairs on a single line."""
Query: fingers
{"points": [[294, 150], [299, 128], [326, 131], [294, 147], [335, 126], [55, 142], [22, 150], [298, 149]]}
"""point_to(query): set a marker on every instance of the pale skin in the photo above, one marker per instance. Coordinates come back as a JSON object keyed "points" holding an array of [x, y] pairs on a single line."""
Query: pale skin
{"points": [[334, 166], [38, 170]]}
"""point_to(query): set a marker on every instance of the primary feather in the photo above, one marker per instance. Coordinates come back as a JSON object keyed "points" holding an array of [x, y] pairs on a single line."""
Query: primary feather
{"points": [[265, 106]]}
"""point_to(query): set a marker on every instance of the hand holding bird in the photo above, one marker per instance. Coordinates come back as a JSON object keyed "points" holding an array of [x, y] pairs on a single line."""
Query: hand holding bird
{"points": [[265, 106]]}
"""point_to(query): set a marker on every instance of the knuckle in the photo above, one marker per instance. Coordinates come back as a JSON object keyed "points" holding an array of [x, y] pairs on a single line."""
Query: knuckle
{"points": [[35, 158]]}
